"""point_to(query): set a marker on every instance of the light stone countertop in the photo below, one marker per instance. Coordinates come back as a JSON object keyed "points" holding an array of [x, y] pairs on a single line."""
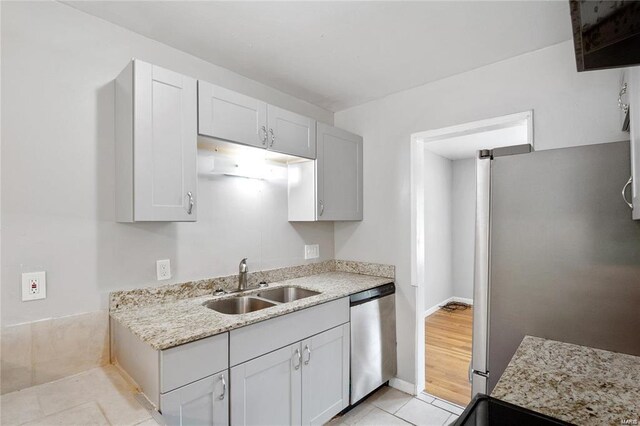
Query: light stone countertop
{"points": [[577, 384], [173, 323]]}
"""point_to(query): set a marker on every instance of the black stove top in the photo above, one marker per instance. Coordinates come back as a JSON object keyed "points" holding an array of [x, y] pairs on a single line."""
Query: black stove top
{"points": [[484, 410]]}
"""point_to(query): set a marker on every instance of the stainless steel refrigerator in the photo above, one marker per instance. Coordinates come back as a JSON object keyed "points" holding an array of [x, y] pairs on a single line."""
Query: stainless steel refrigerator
{"points": [[557, 254]]}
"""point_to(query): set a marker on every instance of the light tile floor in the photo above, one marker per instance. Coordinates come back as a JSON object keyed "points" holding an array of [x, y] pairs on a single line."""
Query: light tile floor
{"points": [[103, 397], [389, 406], [100, 396]]}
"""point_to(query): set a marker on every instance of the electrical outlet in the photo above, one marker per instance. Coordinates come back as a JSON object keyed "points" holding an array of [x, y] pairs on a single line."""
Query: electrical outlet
{"points": [[163, 269], [311, 251], [34, 286]]}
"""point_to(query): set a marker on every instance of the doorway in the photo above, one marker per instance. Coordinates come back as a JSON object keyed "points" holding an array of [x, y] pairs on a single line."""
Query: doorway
{"points": [[443, 188]]}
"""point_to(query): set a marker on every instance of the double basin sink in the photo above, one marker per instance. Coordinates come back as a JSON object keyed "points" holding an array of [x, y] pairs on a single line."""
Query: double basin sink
{"points": [[261, 300]]}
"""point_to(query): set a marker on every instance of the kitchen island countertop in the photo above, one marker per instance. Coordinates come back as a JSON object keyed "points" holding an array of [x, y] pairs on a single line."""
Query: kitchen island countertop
{"points": [[577, 384]]}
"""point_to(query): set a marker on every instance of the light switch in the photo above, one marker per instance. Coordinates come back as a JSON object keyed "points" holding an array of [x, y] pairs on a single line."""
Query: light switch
{"points": [[34, 286]]}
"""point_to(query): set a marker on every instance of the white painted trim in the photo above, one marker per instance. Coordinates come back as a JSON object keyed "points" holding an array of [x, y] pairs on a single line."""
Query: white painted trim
{"points": [[403, 386], [462, 300], [479, 126], [418, 254], [437, 306], [417, 148]]}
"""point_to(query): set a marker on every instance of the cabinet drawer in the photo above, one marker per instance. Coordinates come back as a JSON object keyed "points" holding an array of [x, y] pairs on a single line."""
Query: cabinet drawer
{"points": [[254, 340], [192, 361]]}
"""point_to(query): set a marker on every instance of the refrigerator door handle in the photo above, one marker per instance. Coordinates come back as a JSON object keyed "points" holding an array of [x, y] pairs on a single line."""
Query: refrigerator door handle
{"points": [[479, 362], [624, 192]]}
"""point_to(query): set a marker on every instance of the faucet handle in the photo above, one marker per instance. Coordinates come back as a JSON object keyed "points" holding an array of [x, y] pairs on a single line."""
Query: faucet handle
{"points": [[243, 266]]}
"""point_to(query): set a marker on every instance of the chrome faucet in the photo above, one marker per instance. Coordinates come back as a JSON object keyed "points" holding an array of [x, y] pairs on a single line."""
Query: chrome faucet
{"points": [[243, 269]]}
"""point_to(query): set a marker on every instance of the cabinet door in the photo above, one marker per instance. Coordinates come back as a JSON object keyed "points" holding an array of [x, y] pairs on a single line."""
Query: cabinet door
{"points": [[634, 115], [231, 116], [266, 390], [339, 174], [291, 133], [325, 375], [205, 402], [165, 145]]}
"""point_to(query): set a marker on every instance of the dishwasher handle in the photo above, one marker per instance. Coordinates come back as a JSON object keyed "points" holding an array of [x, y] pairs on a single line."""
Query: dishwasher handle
{"points": [[372, 294]]}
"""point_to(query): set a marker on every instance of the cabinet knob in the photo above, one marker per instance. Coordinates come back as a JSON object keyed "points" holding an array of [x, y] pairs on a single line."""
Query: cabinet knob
{"points": [[273, 138], [624, 192], [191, 202]]}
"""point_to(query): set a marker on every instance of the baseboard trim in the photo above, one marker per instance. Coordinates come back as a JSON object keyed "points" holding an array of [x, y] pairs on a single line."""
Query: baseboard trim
{"points": [[403, 386], [435, 307]]}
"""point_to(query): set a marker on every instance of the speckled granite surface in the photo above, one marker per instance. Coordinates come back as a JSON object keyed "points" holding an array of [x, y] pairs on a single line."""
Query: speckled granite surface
{"points": [[377, 269], [173, 292], [574, 383], [181, 320]]}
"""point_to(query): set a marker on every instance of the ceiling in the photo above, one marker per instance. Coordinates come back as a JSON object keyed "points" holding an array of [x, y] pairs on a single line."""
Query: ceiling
{"points": [[340, 54]]}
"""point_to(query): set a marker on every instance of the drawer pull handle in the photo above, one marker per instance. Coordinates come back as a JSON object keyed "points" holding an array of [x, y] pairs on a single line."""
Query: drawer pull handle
{"points": [[224, 387], [191, 202], [299, 358], [263, 129], [306, 348], [273, 138]]}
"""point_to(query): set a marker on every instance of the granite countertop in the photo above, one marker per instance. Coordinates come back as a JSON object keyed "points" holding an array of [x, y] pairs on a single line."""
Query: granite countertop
{"points": [[165, 325], [573, 383]]}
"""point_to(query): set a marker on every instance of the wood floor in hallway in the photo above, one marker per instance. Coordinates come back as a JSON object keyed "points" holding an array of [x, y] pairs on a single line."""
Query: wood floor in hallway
{"points": [[448, 353]]}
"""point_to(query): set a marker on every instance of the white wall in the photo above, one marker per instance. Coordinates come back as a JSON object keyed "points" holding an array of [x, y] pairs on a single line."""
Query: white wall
{"points": [[58, 172], [570, 109], [438, 189], [450, 196], [463, 226]]}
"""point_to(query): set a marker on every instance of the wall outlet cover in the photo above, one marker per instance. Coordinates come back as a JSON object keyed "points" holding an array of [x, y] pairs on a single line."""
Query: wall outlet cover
{"points": [[34, 286], [163, 269], [311, 251]]}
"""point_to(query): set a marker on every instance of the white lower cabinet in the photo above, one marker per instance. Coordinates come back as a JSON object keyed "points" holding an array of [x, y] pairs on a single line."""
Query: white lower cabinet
{"points": [[325, 375], [304, 383], [204, 402], [266, 390]]}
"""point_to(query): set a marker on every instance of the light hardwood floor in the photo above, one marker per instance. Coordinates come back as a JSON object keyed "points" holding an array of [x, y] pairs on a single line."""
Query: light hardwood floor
{"points": [[448, 353]]}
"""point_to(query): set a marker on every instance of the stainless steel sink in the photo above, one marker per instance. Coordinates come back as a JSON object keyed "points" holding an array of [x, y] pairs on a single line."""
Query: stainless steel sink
{"points": [[238, 305], [286, 294]]}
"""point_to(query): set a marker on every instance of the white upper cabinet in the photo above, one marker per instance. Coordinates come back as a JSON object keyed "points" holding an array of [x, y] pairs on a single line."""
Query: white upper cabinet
{"points": [[156, 145], [339, 174], [291, 133], [632, 193], [329, 188], [230, 116]]}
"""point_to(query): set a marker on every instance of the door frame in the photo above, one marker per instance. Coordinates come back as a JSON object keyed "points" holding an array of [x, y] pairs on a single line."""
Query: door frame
{"points": [[419, 143]]}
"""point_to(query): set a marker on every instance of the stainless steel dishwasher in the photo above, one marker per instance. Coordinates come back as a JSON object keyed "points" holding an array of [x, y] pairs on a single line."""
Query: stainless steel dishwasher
{"points": [[373, 340]]}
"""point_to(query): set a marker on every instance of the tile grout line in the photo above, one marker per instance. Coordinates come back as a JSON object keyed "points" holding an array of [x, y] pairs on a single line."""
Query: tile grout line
{"points": [[400, 408]]}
